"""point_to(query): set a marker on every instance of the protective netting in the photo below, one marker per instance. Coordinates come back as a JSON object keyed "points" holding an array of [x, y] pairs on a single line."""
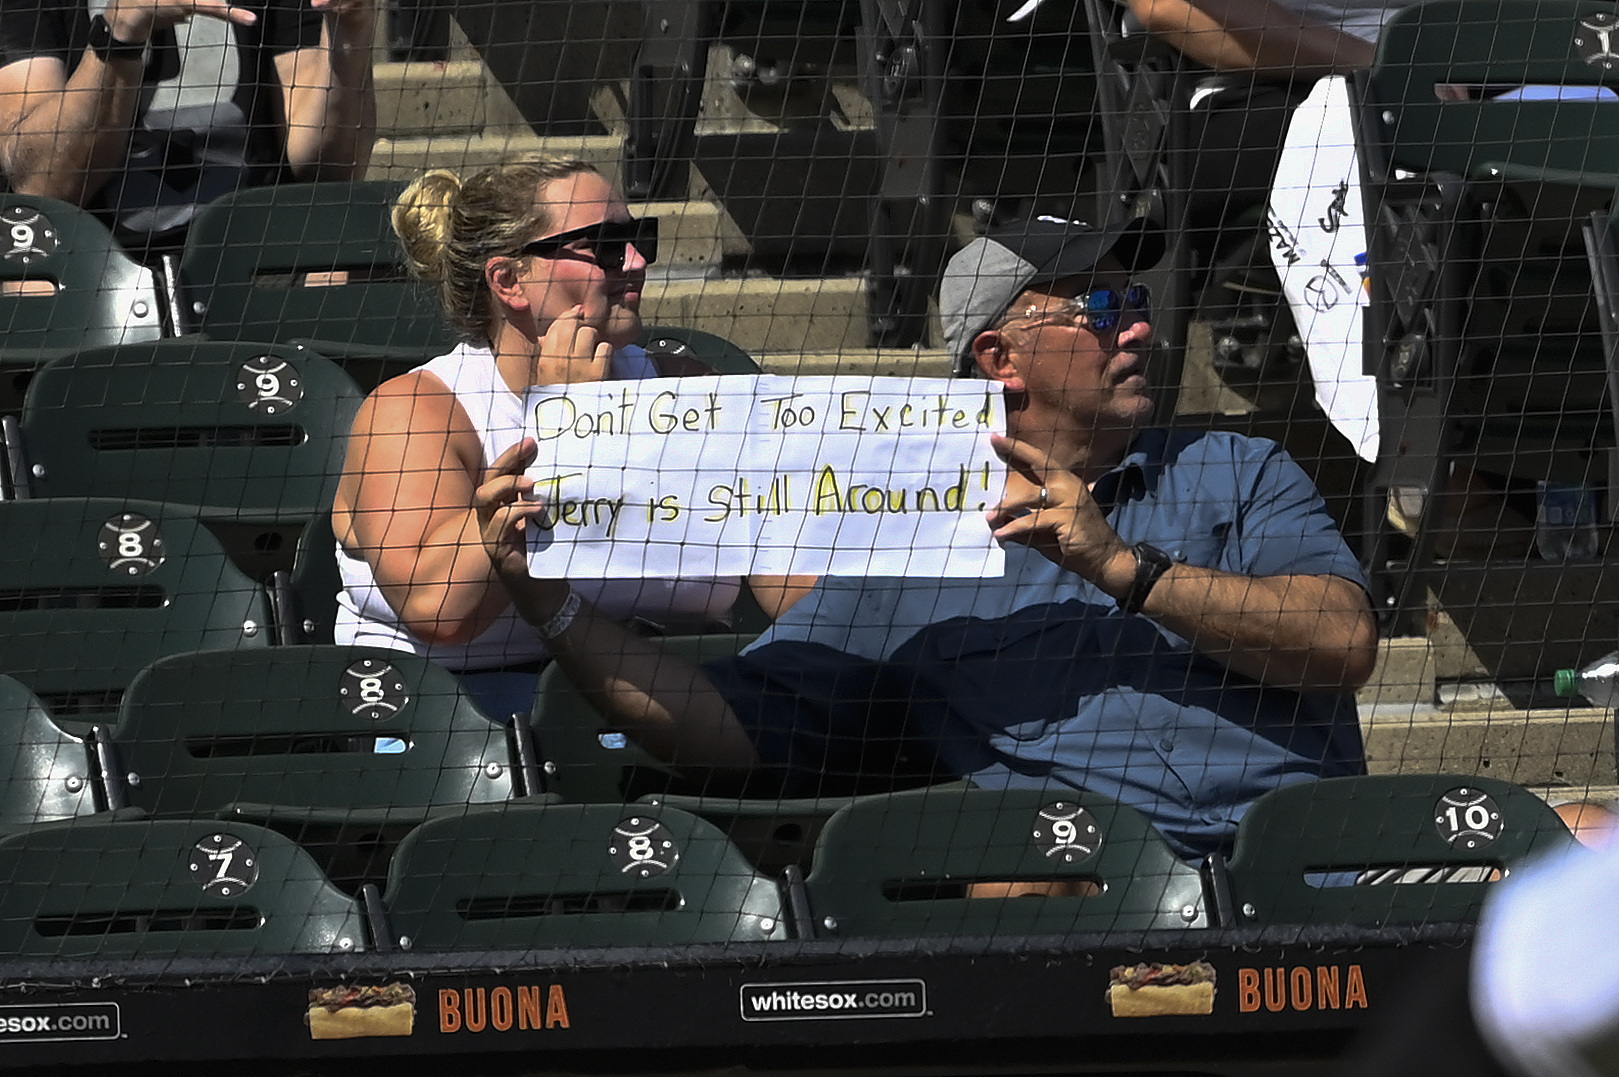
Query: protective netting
{"points": [[1310, 500]]}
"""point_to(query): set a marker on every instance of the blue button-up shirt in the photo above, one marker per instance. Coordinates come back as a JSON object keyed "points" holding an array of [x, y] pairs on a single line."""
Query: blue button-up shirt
{"points": [[1037, 678]]}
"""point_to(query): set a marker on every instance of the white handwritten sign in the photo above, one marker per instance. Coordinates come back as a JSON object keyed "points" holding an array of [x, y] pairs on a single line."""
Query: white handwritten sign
{"points": [[723, 476], [1317, 231]]}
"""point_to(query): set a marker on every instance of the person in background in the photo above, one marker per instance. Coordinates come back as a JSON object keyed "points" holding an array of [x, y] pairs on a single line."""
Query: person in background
{"points": [[1278, 40], [1274, 50], [541, 267], [144, 110], [1179, 626]]}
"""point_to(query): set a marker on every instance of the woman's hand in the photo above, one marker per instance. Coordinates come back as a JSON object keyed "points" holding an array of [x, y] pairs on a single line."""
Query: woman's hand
{"points": [[504, 512], [1049, 508], [503, 509], [573, 349]]}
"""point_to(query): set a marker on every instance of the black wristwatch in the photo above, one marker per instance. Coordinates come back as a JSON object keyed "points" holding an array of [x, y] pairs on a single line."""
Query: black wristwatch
{"points": [[1151, 564], [109, 48]]}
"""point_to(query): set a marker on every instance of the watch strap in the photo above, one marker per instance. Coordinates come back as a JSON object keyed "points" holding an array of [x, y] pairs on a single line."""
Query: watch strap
{"points": [[108, 47], [1151, 564]]}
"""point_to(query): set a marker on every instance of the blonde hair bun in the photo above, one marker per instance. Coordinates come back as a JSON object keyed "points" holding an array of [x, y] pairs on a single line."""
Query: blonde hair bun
{"points": [[422, 217]]}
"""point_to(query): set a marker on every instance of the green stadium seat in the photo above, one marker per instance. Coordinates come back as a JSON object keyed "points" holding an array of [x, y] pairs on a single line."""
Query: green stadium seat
{"points": [[247, 265], [113, 886], [900, 865], [93, 590], [526, 876], [710, 348], [48, 774], [585, 761], [1482, 328], [84, 291], [251, 435], [1384, 849], [345, 748]]}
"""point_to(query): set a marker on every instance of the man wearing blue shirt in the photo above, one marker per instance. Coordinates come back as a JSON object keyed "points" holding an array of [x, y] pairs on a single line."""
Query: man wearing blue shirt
{"points": [[1179, 625]]}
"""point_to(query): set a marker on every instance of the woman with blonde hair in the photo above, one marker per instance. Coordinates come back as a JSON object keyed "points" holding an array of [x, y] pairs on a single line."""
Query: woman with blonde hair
{"points": [[541, 267]]}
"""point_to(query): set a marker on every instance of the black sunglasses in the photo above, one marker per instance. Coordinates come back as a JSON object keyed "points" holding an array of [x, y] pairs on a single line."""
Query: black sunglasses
{"points": [[609, 242]]}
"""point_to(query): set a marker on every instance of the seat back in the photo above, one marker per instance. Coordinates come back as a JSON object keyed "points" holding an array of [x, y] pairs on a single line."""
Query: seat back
{"points": [[65, 283], [905, 864], [307, 732], [92, 590], [710, 348], [247, 271], [46, 774], [524, 875], [1384, 849], [1498, 45], [117, 887], [244, 430]]}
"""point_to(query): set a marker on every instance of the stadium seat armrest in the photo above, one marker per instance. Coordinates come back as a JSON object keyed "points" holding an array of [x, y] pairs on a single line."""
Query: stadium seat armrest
{"points": [[1217, 884], [376, 918], [798, 902], [109, 771]]}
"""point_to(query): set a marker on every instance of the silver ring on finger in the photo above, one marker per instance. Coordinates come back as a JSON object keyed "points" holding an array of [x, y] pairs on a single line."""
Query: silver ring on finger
{"points": [[1045, 498]]}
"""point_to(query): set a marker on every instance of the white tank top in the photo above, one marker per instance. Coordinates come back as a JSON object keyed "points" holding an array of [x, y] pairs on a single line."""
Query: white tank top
{"points": [[496, 413]]}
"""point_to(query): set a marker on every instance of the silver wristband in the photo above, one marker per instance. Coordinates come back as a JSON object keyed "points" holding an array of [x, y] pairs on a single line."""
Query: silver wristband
{"points": [[562, 618]]}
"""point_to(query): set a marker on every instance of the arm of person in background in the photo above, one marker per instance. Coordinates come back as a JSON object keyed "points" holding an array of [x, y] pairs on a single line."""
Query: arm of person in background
{"points": [[331, 103], [66, 136], [1310, 632], [1253, 35], [668, 705]]}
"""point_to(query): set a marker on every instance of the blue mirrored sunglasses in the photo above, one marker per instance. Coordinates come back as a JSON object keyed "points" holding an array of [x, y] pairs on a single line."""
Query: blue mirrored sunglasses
{"points": [[608, 242], [1101, 310]]}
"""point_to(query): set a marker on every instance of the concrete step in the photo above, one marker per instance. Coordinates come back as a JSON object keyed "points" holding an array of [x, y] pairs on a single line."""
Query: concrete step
{"points": [[886, 362], [418, 99], [1567, 749], [693, 237], [407, 158], [763, 315], [1564, 748]]}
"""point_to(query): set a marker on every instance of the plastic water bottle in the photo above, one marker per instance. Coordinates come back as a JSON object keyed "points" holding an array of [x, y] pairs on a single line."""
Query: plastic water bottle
{"points": [[1598, 682], [1566, 521]]}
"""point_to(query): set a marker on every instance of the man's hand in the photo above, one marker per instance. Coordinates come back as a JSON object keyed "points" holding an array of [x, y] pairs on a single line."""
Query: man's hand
{"points": [[1065, 525], [1309, 632], [137, 20]]}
